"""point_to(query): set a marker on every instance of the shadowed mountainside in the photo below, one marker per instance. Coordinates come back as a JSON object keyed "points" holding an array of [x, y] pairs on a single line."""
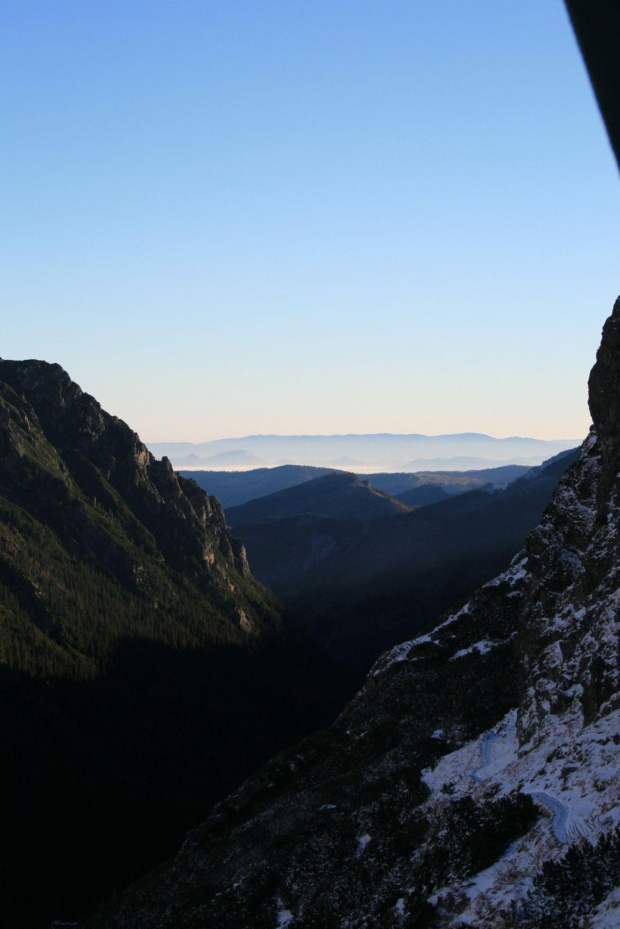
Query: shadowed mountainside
{"points": [[342, 495], [360, 586], [232, 488], [452, 482], [143, 670]]}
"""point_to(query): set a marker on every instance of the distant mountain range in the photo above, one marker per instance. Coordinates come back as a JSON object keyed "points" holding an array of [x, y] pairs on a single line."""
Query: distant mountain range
{"points": [[232, 488], [381, 452], [234, 459]]}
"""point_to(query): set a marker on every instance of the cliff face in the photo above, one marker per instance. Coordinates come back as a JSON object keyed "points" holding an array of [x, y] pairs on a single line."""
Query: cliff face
{"points": [[568, 632], [52, 431], [475, 778], [88, 479]]}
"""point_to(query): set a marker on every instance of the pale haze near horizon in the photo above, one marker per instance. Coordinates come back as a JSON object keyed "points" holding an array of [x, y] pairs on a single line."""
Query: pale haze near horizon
{"points": [[310, 218]]}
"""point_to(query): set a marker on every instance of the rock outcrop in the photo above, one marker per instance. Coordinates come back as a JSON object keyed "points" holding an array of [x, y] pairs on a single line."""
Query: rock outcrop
{"points": [[475, 778]]}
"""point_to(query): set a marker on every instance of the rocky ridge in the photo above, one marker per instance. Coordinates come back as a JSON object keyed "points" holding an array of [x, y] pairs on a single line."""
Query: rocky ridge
{"points": [[50, 426], [474, 780]]}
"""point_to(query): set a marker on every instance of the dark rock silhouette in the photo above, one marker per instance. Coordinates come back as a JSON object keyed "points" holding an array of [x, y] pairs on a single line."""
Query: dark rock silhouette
{"points": [[597, 26]]}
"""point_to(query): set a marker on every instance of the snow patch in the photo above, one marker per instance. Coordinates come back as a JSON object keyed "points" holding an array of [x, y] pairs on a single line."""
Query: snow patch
{"points": [[570, 771], [607, 914], [362, 842], [283, 916], [516, 572], [565, 824], [404, 651], [482, 647]]}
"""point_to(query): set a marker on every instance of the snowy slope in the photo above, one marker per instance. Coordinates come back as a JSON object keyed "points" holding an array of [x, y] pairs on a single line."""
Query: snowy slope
{"points": [[561, 746]]}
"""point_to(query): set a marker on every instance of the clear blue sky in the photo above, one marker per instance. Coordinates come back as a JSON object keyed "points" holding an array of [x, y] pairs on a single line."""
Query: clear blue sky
{"points": [[319, 216]]}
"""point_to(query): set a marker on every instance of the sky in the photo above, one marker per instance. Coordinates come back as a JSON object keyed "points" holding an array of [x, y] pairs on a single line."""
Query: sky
{"points": [[319, 216]]}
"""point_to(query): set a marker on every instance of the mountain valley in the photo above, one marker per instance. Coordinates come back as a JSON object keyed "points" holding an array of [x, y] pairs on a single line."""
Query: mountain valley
{"points": [[300, 666], [474, 778], [363, 581], [145, 672]]}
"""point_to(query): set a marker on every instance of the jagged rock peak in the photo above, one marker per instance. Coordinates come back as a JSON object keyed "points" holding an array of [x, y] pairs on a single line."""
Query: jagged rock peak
{"points": [[49, 383], [189, 526], [604, 388]]}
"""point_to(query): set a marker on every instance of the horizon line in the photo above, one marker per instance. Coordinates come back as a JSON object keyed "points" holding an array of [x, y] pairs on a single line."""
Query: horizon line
{"points": [[347, 435]]}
